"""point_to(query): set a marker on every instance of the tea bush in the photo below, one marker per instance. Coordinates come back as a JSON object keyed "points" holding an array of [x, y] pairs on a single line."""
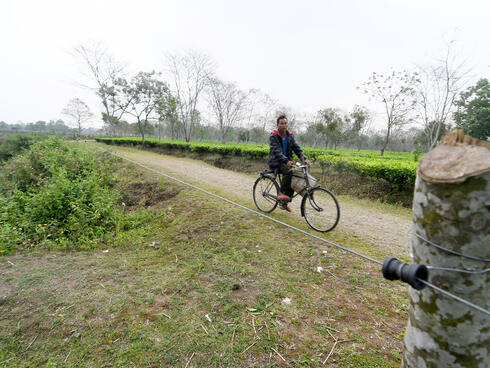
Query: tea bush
{"points": [[56, 194], [398, 168]]}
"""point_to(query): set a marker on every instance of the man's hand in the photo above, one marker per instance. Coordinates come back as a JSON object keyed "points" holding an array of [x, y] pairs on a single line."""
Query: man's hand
{"points": [[305, 161], [290, 163]]}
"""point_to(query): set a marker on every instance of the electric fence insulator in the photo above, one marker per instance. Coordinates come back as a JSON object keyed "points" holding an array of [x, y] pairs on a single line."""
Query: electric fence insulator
{"points": [[394, 269]]}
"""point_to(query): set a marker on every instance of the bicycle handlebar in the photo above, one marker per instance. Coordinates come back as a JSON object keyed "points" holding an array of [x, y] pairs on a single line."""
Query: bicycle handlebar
{"points": [[301, 166], [298, 167]]}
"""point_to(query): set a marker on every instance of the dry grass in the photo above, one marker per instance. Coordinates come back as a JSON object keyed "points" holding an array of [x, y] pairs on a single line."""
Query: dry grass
{"points": [[144, 302]]}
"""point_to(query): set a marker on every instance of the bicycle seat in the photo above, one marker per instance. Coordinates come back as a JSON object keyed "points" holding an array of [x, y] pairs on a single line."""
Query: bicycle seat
{"points": [[269, 172]]}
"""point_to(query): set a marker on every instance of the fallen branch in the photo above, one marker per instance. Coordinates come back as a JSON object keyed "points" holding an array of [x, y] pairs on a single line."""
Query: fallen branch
{"points": [[255, 331], [67, 357], [5, 361], [268, 333], [280, 356], [249, 347], [204, 328], [330, 273], [333, 337], [331, 351], [192, 356], [32, 342], [333, 347], [331, 328], [163, 314]]}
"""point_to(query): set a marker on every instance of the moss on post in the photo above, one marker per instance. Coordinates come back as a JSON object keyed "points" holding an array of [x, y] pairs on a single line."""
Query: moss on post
{"points": [[451, 208]]}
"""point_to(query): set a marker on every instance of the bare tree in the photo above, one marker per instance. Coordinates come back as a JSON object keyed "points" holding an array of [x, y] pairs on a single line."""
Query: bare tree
{"points": [[228, 104], [262, 113], [191, 73], [293, 121], [107, 81], [436, 91], [78, 114], [395, 91]]}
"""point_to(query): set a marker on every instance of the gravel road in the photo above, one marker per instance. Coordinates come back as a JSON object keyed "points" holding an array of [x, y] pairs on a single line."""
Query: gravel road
{"points": [[375, 224]]}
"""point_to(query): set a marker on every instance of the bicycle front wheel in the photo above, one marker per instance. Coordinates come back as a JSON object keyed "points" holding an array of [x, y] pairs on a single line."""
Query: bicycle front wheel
{"points": [[265, 194], [320, 209]]}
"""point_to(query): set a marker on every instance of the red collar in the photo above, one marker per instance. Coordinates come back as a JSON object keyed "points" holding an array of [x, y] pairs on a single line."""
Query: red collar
{"points": [[276, 132]]}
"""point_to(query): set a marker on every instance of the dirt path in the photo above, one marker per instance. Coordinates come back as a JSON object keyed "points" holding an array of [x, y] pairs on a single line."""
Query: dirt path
{"points": [[375, 224]]}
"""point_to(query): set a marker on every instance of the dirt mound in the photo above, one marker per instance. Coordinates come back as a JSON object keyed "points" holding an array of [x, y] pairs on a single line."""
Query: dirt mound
{"points": [[148, 193]]}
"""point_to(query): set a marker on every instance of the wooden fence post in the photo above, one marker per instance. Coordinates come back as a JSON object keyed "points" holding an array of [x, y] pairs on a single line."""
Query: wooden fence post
{"points": [[451, 208]]}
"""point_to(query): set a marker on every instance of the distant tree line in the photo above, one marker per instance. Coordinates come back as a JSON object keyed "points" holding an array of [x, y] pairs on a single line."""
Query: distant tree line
{"points": [[51, 127], [188, 101]]}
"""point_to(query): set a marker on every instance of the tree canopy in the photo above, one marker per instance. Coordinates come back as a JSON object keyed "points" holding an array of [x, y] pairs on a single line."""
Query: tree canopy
{"points": [[473, 113]]}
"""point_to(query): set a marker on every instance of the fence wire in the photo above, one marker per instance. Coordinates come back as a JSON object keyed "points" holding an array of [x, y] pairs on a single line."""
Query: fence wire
{"points": [[444, 292]]}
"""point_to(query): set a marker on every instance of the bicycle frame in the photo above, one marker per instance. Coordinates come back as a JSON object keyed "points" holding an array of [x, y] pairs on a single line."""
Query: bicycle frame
{"points": [[302, 192], [316, 199]]}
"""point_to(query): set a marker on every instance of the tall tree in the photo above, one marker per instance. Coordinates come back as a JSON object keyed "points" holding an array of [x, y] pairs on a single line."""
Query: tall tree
{"points": [[396, 93], [191, 73], [78, 114], [107, 81], [473, 110], [167, 113], [329, 125], [359, 118], [228, 104], [141, 97], [436, 90]]}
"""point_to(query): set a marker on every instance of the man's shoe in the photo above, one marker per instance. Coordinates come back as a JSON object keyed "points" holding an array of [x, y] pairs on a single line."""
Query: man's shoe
{"points": [[285, 207], [283, 197]]}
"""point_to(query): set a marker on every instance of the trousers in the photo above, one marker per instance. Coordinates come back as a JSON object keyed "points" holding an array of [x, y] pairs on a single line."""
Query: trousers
{"points": [[287, 175]]}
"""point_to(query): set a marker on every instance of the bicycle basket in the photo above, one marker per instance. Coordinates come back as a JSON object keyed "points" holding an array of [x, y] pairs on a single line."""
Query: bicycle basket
{"points": [[298, 181]]}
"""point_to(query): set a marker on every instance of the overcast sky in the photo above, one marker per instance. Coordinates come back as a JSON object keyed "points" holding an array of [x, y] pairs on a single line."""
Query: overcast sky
{"points": [[306, 54]]}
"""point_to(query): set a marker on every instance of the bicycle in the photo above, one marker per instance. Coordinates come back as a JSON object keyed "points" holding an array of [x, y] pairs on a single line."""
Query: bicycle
{"points": [[319, 206]]}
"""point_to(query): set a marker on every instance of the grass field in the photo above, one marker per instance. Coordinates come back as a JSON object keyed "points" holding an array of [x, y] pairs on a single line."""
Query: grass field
{"points": [[195, 282]]}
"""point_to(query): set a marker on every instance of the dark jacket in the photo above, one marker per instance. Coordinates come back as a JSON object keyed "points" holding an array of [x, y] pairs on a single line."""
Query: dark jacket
{"points": [[276, 157]]}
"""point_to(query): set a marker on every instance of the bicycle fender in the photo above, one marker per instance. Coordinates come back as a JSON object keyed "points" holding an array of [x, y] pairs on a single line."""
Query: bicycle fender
{"points": [[304, 199], [267, 175]]}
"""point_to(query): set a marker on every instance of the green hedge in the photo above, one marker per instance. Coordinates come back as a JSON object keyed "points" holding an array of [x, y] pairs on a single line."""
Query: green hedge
{"points": [[254, 151], [397, 172], [399, 168]]}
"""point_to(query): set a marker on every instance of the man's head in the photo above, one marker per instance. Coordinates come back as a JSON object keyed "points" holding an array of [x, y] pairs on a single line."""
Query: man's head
{"points": [[282, 124], [282, 117]]}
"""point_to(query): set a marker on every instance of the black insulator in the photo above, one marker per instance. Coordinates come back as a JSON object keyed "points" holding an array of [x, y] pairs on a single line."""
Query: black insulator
{"points": [[393, 269]]}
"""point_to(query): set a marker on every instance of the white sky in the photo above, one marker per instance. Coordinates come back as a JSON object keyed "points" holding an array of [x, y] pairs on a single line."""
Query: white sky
{"points": [[306, 54]]}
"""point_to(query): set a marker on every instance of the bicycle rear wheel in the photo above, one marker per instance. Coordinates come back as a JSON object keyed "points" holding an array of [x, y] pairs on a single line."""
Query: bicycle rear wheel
{"points": [[320, 209], [265, 194]]}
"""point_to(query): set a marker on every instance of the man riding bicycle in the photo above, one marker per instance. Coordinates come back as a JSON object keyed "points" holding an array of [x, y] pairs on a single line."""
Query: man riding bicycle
{"points": [[282, 145]]}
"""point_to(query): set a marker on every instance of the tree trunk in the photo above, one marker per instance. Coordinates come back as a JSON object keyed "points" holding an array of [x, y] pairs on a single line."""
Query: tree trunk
{"points": [[387, 139], [142, 133], [451, 209]]}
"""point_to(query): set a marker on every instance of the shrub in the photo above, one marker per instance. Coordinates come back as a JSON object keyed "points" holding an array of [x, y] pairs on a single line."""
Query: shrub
{"points": [[56, 194]]}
